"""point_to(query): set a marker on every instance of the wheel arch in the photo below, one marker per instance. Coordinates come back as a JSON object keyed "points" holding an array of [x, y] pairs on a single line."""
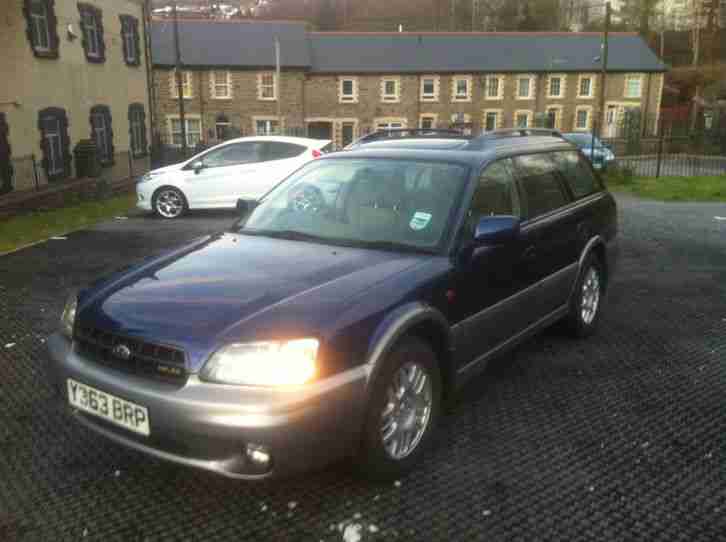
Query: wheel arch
{"points": [[596, 246], [415, 319]]}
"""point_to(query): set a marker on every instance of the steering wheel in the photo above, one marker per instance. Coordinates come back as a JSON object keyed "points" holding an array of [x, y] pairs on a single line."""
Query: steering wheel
{"points": [[307, 198]]}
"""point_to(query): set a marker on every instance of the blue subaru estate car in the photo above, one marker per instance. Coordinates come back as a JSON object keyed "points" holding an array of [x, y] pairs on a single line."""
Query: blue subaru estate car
{"points": [[336, 317]]}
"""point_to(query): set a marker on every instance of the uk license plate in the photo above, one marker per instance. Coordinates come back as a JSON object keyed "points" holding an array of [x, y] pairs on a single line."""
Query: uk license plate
{"points": [[109, 407]]}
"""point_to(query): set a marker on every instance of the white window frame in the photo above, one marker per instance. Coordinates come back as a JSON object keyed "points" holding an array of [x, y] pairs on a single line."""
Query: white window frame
{"points": [[455, 80], [215, 85], [40, 25], [562, 78], [497, 122], [434, 120], [588, 120], [56, 163], [137, 129], [434, 96], [591, 88], [187, 85], [558, 115], [528, 114], [268, 130], [500, 87], [390, 123], [530, 87], [100, 131], [348, 98], [263, 86], [626, 90], [396, 96], [189, 117]]}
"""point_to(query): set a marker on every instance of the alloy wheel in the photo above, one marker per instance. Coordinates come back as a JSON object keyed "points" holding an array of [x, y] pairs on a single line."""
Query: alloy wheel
{"points": [[169, 203], [590, 295]]}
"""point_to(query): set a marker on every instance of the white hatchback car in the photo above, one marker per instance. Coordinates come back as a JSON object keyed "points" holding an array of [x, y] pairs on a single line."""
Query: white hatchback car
{"points": [[243, 168]]}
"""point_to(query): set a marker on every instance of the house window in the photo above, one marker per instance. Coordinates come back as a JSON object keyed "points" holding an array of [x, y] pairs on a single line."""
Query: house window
{"points": [[101, 133], [389, 125], [494, 87], [491, 121], [137, 130], [348, 90], [585, 90], [266, 127], [524, 88], [193, 129], [429, 89], [461, 89], [553, 117], [92, 28], [389, 90], [428, 122], [222, 85], [55, 143], [267, 86], [41, 27], [555, 87], [187, 87], [130, 40], [582, 119], [521, 119], [633, 86]]}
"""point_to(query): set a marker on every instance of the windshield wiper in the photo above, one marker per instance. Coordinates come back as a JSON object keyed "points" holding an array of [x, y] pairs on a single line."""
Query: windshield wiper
{"points": [[391, 245], [293, 235]]}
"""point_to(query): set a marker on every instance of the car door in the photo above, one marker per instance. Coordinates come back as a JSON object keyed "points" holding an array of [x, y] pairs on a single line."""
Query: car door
{"points": [[549, 230], [489, 285], [227, 173]]}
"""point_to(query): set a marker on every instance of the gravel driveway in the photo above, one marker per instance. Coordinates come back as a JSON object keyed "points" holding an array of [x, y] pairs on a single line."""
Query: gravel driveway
{"points": [[619, 437]]}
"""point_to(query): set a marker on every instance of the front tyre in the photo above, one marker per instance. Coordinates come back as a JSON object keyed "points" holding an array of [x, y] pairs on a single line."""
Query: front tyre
{"points": [[587, 299], [169, 202], [403, 411]]}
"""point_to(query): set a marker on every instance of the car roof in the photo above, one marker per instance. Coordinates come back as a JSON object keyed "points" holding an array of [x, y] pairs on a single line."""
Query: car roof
{"points": [[474, 152], [307, 141]]}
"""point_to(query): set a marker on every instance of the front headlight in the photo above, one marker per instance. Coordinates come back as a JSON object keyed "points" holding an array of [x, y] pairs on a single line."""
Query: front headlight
{"points": [[68, 318], [268, 363]]}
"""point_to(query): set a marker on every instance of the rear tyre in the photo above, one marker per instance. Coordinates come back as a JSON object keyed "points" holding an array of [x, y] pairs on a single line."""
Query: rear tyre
{"points": [[403, 411], [169, 202], [587, 300]]}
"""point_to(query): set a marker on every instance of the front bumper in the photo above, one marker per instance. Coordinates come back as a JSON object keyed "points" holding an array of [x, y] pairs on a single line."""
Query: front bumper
{"points": [[208, 426]]}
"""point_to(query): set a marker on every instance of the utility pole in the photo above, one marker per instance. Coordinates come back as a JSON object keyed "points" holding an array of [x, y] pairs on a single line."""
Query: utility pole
{"points": [[278, 81], [474, 14], [603, 77], [179, 83]]}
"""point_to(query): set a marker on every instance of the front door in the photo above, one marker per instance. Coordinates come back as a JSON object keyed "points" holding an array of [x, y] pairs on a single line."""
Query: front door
{"points": [[488, 285], [228, 173], [611, 121], [6, 167]]}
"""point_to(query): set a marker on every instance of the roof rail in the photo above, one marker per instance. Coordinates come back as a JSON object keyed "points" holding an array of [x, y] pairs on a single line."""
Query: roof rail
{"points": [[521, 132], [407, 132]]}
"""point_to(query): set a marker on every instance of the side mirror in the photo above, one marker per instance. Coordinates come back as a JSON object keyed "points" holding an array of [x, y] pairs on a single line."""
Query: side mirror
{"points": [[496, 230], [244, 207], [197, 167]]}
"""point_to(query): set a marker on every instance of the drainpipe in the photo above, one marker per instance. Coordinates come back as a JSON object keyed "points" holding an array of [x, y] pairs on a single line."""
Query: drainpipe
{"points": [[150, 79], [644, 120]]}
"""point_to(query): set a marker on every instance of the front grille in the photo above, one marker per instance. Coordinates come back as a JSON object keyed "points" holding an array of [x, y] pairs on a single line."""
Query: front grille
{"points": [[146, 359]]}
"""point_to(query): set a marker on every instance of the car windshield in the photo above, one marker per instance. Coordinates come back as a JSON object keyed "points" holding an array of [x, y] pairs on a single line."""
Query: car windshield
{"points": [[375, 203], [583, 140]]}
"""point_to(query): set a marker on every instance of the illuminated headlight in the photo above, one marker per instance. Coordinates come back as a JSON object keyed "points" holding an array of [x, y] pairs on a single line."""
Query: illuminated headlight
{"points": [[68, 318], [269, 363]]}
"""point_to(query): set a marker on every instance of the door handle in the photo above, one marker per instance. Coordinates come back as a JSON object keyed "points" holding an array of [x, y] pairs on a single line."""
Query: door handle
{"points": [[530, 253]]}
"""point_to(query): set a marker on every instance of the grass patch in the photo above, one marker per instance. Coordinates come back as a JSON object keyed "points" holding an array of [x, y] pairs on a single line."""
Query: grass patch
{"points": [[670, 188], [39, 225]]}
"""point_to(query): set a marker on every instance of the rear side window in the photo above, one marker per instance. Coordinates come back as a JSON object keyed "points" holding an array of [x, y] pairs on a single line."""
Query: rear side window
{"points": [[231, 155], [276, 150], [495, 194], [577, 173], [541, 187]]}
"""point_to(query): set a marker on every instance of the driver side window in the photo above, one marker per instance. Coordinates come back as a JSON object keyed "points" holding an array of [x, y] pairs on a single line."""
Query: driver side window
{"points": [[496, 194], [232, 155]]}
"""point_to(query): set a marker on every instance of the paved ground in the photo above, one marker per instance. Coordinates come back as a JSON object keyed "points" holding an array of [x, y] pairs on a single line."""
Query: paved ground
{"points": [[620, 437], [676, 165]]}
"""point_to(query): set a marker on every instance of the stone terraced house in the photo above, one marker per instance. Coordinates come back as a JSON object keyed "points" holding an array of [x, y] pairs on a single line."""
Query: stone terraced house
{"points": [[342, 85]]}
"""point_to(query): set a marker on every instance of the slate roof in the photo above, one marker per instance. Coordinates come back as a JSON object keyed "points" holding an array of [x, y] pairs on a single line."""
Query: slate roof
{"points": [[230, 44], [251, 44]]}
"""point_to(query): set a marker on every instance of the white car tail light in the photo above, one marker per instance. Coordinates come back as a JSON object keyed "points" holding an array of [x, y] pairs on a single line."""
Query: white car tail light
{"points": [[317, 153]]}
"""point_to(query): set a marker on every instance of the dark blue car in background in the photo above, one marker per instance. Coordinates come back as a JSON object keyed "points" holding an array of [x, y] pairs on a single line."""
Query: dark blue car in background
{"points": [[335, 319]]}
